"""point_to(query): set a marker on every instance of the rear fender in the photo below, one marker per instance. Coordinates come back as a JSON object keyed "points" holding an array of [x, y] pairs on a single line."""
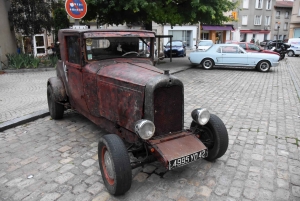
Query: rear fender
{"points": [[58, 89]]}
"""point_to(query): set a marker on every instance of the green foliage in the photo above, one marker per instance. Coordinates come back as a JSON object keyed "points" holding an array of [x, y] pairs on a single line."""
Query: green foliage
{"points": [[27, 60], [173, 12], [30, 17], [15, 60], [53, 60], [60, 17], [36, 62]]}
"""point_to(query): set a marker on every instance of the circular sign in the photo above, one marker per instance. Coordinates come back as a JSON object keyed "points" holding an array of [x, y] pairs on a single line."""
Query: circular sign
{"points": [[76, 8]]}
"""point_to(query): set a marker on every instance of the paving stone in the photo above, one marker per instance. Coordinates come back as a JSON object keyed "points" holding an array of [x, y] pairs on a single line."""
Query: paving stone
{"points": [[50, 197], [296, 191], [64, 177], [88, 162], [95, 188], [282, 194], [235, 192], [250, 193]]}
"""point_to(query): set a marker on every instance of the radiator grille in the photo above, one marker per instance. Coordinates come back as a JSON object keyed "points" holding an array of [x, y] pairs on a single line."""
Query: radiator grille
{"points": [[168, 109]]}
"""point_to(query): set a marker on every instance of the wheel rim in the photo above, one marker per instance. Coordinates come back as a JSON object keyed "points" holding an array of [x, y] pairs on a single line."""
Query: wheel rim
{"points": [[107, 166], [207, 64], [207, 138], [290, 53], [264, 66]]}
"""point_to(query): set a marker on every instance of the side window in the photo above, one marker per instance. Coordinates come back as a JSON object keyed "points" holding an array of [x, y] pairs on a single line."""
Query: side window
{"points": [[73, 48], [219, 50], [243, 46]]}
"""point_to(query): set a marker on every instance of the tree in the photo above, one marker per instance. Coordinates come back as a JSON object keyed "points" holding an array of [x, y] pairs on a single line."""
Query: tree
{"points": [[61, 20], [173, 12], [30, 17]]}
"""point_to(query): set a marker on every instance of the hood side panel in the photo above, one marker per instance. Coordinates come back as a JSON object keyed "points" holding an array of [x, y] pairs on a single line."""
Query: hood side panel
{"points": [[122, 105]]}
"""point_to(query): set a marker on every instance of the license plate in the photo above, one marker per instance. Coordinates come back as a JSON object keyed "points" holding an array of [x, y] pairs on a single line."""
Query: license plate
{"points": [[184, 160]]}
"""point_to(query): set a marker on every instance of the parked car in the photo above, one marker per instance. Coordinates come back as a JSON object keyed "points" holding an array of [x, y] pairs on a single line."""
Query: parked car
{"points": [[294, 50], [274, 43], [251, 47], [264, 43], [204, 44], [235, 56], [104, 77], [178, 49]]}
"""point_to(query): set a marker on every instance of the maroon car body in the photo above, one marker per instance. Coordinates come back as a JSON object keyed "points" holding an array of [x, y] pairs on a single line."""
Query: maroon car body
{"points": [[109, 77], [251, 47]]}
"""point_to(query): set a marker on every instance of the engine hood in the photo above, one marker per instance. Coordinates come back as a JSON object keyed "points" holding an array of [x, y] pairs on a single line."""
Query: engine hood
{"points": [[134, 71]]}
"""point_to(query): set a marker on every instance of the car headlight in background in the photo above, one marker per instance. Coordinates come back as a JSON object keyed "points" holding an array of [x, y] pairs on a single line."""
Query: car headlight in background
{"points": [[144, 128], [201, 116]]}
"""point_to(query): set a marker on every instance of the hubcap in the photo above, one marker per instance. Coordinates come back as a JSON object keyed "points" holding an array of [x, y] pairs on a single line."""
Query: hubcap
{"points": [[107, 166], [207, 64], [264, 66]]}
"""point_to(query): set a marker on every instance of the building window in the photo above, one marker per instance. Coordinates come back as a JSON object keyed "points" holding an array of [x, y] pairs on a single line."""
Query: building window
{"points": [[259, 4], [284, 37], [287, 15], [280, 37], [277, 26], [245, 20], [285, 27], [268, 4], [257, 20], [267, 20], [299, 12], [245, 3], [277, 14]]}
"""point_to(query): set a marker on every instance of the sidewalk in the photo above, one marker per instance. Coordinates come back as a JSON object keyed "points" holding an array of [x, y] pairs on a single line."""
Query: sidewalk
{"points": [[23, 95]]}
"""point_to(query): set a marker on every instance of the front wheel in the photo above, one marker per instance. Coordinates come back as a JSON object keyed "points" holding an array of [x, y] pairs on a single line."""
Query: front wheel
{"points": [[263, 66], [207, 63], [282, 56], [290, 53], [213, 135], [114, 164]]}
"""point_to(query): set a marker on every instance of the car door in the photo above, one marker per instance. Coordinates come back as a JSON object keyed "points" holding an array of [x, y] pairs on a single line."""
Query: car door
{"points": [[234, 56], [73, 73]]}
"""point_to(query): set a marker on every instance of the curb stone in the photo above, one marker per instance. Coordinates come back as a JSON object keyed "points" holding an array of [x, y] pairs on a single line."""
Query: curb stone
{"points": [[25, 119]]}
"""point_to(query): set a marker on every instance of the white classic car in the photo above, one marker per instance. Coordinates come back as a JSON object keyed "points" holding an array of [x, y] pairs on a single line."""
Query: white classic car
{"points": [[232, 55]]}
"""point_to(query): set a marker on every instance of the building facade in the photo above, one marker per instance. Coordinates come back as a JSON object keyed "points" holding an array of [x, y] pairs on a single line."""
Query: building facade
{"points": [[294, 28], [281, 20]]}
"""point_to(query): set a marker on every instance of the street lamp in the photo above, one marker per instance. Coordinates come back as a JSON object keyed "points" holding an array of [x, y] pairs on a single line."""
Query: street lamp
{"points": [[278, 23]]}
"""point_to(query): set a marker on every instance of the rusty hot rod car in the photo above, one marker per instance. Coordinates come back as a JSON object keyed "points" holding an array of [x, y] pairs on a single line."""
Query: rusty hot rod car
{"points": [[109, 77]]}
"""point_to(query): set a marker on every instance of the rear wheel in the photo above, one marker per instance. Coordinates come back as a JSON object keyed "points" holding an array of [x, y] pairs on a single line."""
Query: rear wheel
{"points": [[56, 110], [114, 164], [213, 135], [263, 66], [290, 53], [207, 63]]}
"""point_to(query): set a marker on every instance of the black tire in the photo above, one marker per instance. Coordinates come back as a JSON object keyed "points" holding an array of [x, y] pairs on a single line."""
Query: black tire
{"points": [[263, 66], [207, 63], [114, 164], [296, 55], [213, 135], [56, 110], [282, 56], [290, 53]]}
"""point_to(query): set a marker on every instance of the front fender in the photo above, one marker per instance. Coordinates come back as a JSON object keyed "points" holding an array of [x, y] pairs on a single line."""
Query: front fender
{"points": [[58, 89]]}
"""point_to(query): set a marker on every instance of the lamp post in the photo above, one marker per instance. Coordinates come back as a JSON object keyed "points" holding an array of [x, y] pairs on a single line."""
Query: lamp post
{"points": [[278, 23]]}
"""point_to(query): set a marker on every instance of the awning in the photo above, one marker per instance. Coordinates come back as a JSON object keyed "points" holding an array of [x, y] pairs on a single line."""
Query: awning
{"points": [[255, 31], [218, 28]]}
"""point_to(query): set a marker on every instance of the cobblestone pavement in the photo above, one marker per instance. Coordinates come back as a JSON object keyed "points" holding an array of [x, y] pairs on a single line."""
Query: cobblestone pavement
{"points": [[57, 160], [23, 93]]}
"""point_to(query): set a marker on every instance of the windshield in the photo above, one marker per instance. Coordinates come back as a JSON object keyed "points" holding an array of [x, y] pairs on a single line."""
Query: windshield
{"points": [[175, 43], [113, 47], [205, 43]]}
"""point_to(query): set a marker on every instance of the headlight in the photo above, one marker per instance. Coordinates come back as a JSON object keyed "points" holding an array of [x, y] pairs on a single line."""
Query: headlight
{"points": [[180, 49], [201, 116], [144, 128]]}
